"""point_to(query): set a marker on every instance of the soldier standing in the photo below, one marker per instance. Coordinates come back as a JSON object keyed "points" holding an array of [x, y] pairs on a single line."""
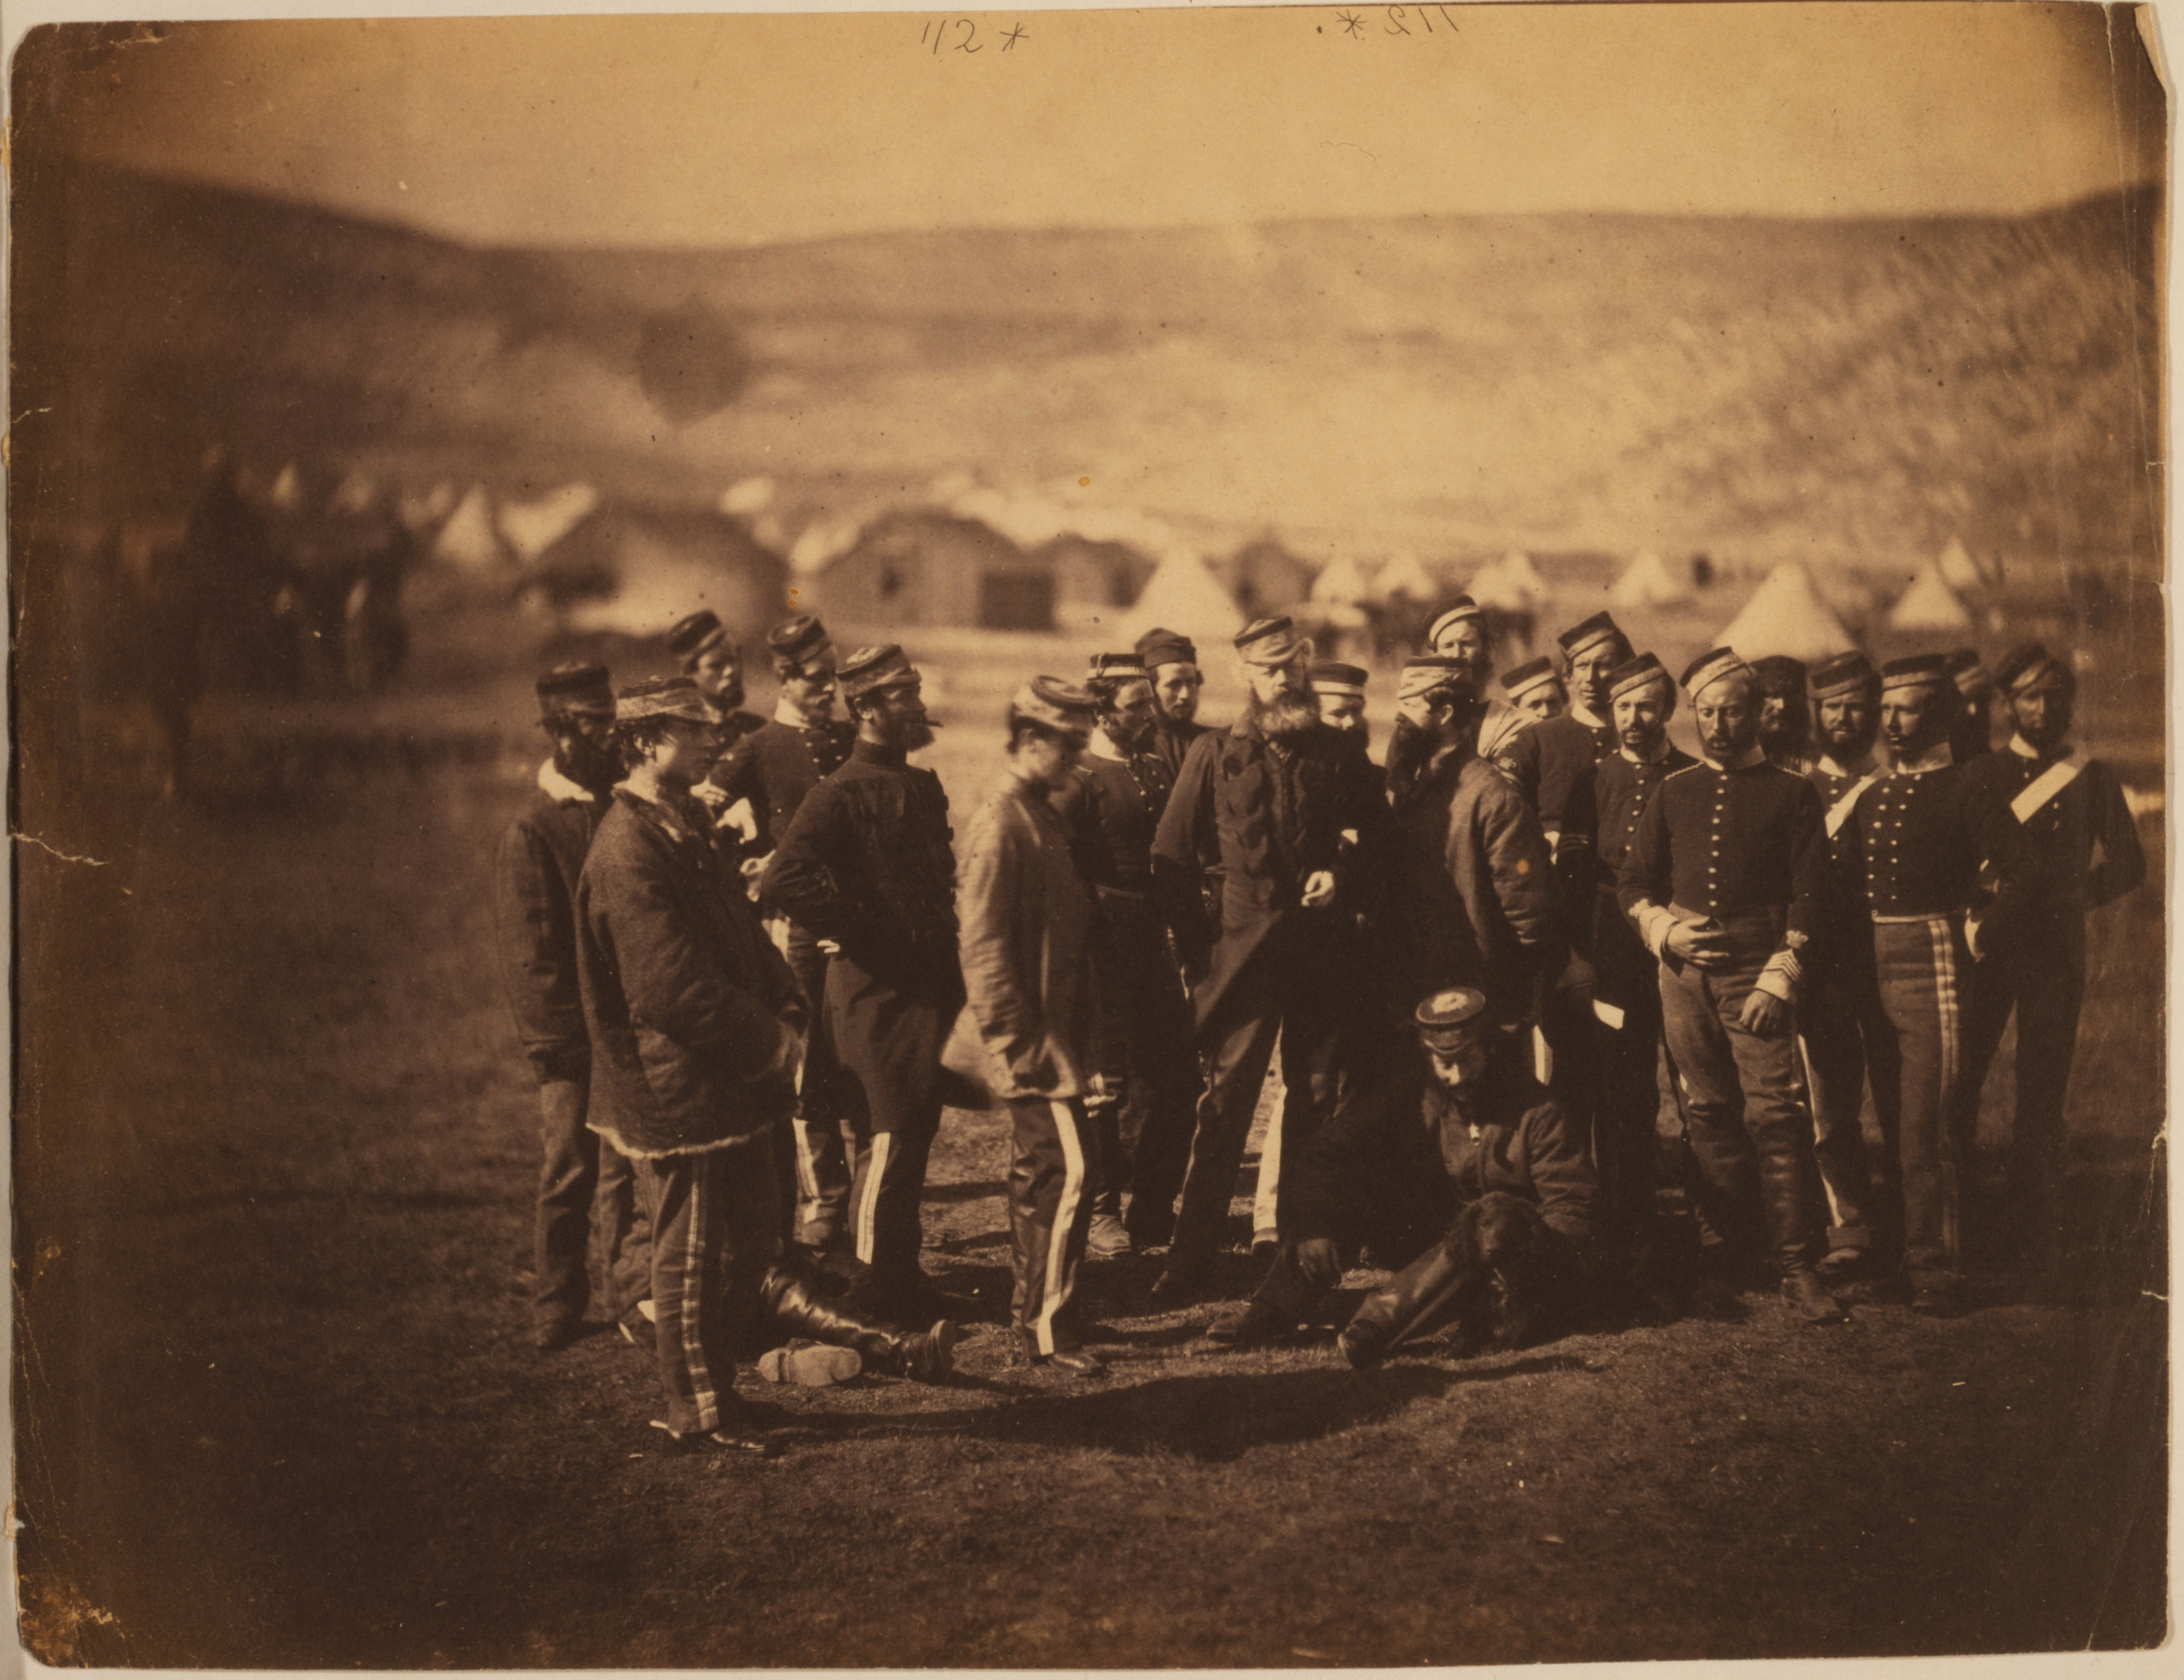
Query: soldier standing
{"points": [[2039, 971], [772, 769], [1459, 631], [1273, 794], [1724, 881], [1785, 721], [1171, 661], [1844, 1031], [1536, 688], [1627, 978], [1339, 689], [1028, 970], [867, 866], [696, 1027], [1111, 806], [584, 1188], [701, 645], [1919, 837]]}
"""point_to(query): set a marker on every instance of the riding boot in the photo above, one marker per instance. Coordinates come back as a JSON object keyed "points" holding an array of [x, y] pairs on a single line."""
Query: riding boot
{"points": [[1790, 1192], [1425, 1295], [927, 1356]]}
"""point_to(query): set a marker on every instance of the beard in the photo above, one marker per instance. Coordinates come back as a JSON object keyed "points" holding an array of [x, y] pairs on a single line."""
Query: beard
{"points": [[593, 768], [1131, 735], [1845, 745], [1286, 716], [914, 734], [1410, 750]]}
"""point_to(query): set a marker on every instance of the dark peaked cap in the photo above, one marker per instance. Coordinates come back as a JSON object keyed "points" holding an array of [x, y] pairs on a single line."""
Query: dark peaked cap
{"points": [[690, 637]]}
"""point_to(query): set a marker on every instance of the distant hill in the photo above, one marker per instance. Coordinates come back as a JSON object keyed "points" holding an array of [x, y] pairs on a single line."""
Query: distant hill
{"points": [[1845, 391]]}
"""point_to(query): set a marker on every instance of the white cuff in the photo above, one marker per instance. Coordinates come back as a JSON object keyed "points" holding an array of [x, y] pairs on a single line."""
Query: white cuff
{"points": [[1653, 924], [1783, 977]]}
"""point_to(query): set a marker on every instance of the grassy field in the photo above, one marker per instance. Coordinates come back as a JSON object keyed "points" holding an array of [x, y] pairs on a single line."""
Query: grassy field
{"points": [[278, 1404]]}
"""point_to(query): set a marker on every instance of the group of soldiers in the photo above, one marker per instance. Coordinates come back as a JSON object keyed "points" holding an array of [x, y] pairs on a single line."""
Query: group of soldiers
{"points": [[737, 948]]}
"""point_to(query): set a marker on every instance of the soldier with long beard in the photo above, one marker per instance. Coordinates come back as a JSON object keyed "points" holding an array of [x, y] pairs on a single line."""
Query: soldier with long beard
{"points": [[1274, 794]]}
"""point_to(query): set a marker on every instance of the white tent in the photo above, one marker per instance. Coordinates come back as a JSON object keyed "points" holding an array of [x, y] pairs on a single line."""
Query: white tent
{"points": [[1929, 604], [747, 496], [1963, 575], [1404, 578], [1646, 581], [531, 528], [1494, 585], [1786, 616], [467, 539], [1184, 596], [1518, 571], [1339, 584]]}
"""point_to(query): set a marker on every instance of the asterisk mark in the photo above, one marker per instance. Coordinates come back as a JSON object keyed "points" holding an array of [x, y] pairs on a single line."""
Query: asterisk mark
{"points": [[1352, 25], [1016, 33]]}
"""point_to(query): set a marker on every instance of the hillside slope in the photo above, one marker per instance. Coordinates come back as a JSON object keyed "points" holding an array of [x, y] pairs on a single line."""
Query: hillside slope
{"points": [[1854, 390]]}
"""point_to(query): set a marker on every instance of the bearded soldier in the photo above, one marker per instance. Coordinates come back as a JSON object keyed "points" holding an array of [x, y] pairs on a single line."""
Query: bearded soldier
{"points": [[772, 769], [1785, 721], [1724, 881], [1627, 979], [1919, 837], [585, 1191], [2038, 971], [1274, 794], [1844, 1035], [867, 865], [1113, 805]]}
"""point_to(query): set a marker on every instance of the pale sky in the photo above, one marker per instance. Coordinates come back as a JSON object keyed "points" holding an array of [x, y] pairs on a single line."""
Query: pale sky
{"points": [[711, 131]]}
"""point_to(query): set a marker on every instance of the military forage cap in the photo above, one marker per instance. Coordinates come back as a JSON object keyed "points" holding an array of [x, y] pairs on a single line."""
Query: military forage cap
{"points": [[1971, 676], [871, 669], [1709, 669], [1426, 672], [1448, 1021], [1845, 674], [1532, 674], [1056, 703], [662, 697], [1271, 644], [687, 637], [1117, 667], [801, 639], [578, 688], [1600, 627], [1920, 670], [1638, 673], [1157, 648], [1461, 608], [2026, 666], [1332, 676]]}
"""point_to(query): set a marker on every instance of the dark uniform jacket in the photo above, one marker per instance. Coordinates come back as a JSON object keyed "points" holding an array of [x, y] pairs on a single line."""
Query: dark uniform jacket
{"points": [[693, 1014], [1524, 1146], [1112, 809], [1845, 934], [775, 766], [868, 862], [1732, 842], [1473, 896], [534, 901], [1920, 836], [2060, 834], [1554, 764], [1172, 741], [1624, 787], [1278, 814]]}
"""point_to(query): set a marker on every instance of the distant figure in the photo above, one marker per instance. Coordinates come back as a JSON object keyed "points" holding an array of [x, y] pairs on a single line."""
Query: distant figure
{"points": [[1974, 734], [585, 1190], [1785, 717]]}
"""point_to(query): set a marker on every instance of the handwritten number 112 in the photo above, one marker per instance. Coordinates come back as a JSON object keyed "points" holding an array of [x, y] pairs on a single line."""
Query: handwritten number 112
{"points": [[938, 31]]}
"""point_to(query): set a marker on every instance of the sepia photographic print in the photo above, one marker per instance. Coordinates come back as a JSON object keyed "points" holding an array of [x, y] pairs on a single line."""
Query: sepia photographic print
{"points": [[1306, 837]]}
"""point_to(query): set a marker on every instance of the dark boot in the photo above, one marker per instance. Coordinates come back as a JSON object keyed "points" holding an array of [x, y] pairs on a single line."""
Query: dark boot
{"points": [[927, 1357], [1429, 1293]]}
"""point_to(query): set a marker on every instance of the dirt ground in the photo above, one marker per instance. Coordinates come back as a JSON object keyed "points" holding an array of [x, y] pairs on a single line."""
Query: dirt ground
{"points": [[279, 1405]]}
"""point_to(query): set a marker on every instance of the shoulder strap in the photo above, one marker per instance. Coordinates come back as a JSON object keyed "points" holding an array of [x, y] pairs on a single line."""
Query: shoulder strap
{"points": [[1839, 813], [2043, 787]]}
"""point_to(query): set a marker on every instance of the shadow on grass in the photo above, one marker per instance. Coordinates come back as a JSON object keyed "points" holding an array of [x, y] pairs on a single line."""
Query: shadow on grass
{"points": [[1212, 1416]]}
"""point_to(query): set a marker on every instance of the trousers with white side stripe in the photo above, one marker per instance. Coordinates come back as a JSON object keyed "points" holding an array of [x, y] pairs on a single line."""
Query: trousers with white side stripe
{"points": [[1923, 968], [1050, 1179]]}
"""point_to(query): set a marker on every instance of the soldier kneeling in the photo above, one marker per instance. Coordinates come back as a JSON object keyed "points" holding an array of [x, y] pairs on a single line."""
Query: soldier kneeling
{"points": [[1516, 1265]]}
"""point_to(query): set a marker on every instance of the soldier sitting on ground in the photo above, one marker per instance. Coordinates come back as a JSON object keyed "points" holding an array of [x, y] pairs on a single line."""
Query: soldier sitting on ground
{"points": [[1516, 1265]]}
